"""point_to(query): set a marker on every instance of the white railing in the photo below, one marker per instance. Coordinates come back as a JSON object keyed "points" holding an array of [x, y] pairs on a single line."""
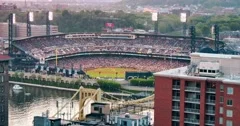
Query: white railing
{"points": [[176, 107], [191, 120], [209, 122], [192, 110], [192, 99], [210, 111], [210, 101], [192, 88], [176, 87], [211, 90], [175, 118], [176, 97]]}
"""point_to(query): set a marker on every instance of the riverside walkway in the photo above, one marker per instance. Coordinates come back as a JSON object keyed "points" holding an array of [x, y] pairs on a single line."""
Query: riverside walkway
{"points": [[64, 89], [124, 84]]}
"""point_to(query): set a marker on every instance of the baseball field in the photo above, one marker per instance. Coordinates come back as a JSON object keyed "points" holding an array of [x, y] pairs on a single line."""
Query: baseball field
{"points": [[109, 72]]}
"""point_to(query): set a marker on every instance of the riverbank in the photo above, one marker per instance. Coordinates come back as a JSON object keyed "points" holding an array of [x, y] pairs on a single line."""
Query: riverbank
{"points": [[61, 88], [74, 83]]}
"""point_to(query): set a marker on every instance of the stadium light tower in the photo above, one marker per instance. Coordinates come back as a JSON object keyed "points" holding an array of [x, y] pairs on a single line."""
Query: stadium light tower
{"points": [[49, 19], [193, 38], [183, 19], [30, 18], [155, 20], [215, 32], [11, 22]]}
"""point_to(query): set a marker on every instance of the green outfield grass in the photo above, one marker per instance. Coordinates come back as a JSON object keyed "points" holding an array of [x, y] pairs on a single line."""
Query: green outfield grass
{"points": [[109, 72]]}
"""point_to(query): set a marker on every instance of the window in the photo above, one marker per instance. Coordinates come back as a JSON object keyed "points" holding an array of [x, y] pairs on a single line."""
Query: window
{"points": [[96, 108], [2, 119], [229, 123], [221, 99], [221, 88], [229, 113], [1, 69], [124, 123], [230, 90], [205, 71], [201, 70], [1, 78], [1, 108], [221, 110], [220, 120], [229, 102], [1, 89]]}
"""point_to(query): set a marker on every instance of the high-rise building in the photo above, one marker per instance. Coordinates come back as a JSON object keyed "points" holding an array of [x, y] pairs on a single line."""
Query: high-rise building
{"points": [[4, 89], [205, 93]]}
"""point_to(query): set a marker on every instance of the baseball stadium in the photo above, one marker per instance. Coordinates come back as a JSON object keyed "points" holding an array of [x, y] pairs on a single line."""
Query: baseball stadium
{"points": [[105, 55]]}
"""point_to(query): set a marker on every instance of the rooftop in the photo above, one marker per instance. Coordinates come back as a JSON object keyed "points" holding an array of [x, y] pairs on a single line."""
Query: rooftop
{"points": [[132, 116], [100, 103], [229, 74], [209, 55], [4, 57]]}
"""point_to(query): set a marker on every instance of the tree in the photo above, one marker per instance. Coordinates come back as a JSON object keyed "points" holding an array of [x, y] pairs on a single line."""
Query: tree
{"points": [[33, 77], [21, 75], [15, 74], [39, 77]]}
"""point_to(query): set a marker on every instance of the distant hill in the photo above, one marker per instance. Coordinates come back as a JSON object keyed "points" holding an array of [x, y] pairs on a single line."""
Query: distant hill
{"points": [[208, 3]]}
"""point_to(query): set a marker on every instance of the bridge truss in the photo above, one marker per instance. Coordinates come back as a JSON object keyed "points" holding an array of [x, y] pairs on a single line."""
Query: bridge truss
{"points": [[86, 95]]}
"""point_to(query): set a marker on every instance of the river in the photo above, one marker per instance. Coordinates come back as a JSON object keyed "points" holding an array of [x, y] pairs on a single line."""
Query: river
{"points": [[33, 101]]}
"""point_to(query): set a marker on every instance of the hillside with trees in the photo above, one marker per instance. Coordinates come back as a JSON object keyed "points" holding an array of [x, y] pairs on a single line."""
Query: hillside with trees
{"points": [[94, 21], [209, 3]]}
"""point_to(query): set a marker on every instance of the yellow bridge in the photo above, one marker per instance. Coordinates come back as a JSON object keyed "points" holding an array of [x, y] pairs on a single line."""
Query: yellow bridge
{"points": [[86, 95]]}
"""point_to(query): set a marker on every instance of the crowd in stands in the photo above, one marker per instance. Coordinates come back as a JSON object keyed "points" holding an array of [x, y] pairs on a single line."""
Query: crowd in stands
{"points": [[229, 34], [138, 63], [47, 47]]}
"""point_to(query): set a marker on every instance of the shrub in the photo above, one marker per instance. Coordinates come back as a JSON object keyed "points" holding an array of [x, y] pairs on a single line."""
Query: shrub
{"points": [[108, 85], [142, 82]]}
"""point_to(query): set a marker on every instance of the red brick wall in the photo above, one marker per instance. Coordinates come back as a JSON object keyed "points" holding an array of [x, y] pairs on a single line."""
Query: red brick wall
{"points": [[163, 102], [236, 104]]}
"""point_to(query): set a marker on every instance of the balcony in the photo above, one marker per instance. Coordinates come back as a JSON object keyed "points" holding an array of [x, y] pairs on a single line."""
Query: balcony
{"points": [[175, 118], [190, 110], [176, 98], [176, 87], [192, 89], [211, 90], [192, 100], [192, 121], [210, 112], [209, 122], [212, 102], [176, 108]]}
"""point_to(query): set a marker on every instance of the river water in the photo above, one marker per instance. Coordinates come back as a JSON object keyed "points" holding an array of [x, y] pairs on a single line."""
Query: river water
{"points": [[32, 101]]}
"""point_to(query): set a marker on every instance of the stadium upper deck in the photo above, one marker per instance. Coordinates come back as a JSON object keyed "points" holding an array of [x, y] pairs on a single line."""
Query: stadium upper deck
{"points": [[50, 46]]}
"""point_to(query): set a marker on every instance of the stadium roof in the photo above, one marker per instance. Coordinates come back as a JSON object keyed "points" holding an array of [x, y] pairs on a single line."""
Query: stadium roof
{"points": [[5, 57]]}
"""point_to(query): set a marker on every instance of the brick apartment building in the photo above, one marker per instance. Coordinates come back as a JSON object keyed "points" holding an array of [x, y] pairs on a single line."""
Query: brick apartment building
{"points": [[205, 93]]}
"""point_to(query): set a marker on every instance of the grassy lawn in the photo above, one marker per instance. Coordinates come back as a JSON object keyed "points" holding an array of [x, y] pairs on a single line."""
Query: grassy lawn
{"points": [[109, 72]]}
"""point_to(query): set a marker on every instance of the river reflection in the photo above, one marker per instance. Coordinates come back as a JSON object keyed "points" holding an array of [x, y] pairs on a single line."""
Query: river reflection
{"points": [[31, 101]]}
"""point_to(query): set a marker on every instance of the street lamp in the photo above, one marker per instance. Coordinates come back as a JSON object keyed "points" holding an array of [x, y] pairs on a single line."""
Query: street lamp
{"points": [[183, 19], [49, 18], [30, 18]]}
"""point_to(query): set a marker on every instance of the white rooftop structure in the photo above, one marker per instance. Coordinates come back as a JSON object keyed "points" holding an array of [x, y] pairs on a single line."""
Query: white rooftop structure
{"points": [[225, 68]]}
